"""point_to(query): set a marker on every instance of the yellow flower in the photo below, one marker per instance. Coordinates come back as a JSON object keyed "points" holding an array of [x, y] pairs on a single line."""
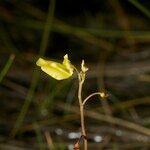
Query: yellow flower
{"points": [[56, 70]]}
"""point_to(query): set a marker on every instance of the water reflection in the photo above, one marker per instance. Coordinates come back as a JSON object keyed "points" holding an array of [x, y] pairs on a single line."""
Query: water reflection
{"points": [[74, 135], [70, 147], [97, 138], [118, 132], [58, 131], [100, 135]]}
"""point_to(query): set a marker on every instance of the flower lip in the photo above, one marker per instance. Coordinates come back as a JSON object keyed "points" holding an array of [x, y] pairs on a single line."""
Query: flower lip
{"points": [[56, 70]]}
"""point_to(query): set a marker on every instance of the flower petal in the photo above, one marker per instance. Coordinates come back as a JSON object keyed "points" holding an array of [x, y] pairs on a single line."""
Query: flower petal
{"points": [[56, 70], [67, 64]]}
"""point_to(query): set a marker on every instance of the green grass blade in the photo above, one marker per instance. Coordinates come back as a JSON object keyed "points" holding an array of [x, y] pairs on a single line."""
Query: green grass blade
{"points": [[5, 37], [39, 137], [35, 78], [6, 67], [140, 7]]}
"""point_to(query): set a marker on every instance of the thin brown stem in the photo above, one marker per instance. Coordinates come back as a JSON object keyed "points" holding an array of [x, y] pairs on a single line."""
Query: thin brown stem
{"points": [[82, 111], [91, 95]]}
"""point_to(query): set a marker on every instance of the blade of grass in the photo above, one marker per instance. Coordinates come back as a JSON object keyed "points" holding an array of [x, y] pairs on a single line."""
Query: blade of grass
{"points": [[7, 41], [43, 45], [101, 81], [110, 119], [79, 32], [140, 7], [39, 137], [64, 28], [49, 140], [71, 30], [6, 67]]}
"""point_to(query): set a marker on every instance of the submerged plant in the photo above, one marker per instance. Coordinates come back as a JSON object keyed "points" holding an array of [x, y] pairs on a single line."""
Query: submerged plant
{"points": [[63, 71]]}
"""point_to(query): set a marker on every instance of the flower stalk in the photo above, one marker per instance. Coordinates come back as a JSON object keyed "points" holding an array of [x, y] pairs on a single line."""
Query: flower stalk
{"points": [[64, 70], [83, 131]]}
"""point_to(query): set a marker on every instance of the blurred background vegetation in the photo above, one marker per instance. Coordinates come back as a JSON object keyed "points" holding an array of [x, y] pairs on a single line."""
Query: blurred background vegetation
{"points": [[112, 36]]}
